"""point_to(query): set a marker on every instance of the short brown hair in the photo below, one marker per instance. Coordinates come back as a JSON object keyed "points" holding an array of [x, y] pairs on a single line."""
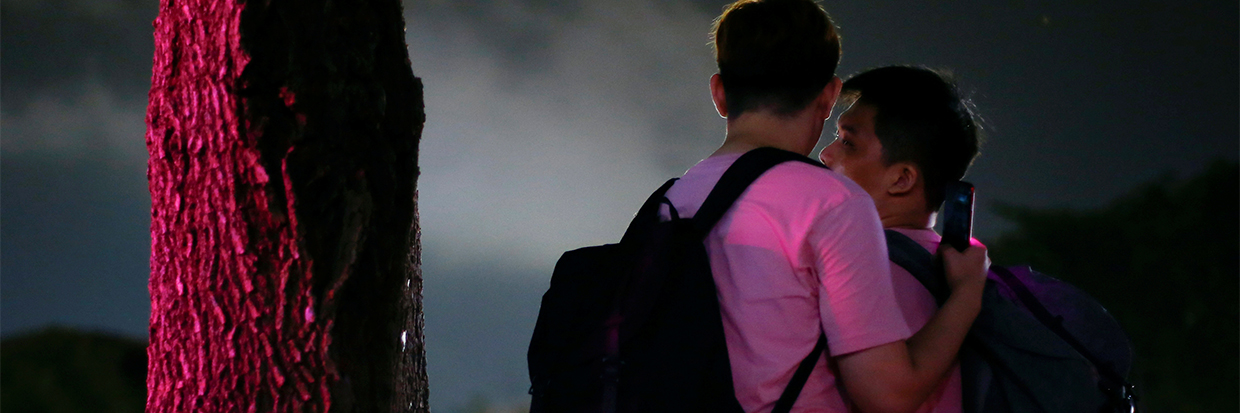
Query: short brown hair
{"points": [[774, 54]]}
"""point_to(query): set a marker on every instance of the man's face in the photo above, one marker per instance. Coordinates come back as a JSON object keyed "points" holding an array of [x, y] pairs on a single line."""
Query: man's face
{"points": [[856, 151]]}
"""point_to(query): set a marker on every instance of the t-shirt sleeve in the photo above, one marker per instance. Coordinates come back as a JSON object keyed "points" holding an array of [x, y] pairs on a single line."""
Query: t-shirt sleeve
{"points": [[856, 300]]}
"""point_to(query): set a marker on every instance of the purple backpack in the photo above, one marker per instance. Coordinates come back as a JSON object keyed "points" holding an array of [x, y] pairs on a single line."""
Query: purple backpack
{"points": [[1038, 345]]}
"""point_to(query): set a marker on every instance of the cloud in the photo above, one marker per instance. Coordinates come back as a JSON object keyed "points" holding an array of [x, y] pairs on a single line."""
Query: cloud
{"points": [[525, 155], [548, 122], [60, 44], [86, 121]]}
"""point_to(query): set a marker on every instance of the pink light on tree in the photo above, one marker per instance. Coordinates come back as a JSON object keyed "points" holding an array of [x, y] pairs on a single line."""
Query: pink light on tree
{"points": [[285, 251]]}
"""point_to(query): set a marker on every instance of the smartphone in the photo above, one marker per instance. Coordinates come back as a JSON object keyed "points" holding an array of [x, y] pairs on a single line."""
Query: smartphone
{"points": [[958, 215]]}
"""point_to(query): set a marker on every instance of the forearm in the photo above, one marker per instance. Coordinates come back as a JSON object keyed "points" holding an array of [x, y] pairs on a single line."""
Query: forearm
{"points": [[933, 349], [900, 376]]}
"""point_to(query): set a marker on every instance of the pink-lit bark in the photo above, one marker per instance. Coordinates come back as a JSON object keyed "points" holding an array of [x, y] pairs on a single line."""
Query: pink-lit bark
{"points": [[285, 269]]}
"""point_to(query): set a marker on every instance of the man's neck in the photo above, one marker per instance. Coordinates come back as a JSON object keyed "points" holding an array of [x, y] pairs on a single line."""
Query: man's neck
{"points": [[908, 220], [764, 129]]}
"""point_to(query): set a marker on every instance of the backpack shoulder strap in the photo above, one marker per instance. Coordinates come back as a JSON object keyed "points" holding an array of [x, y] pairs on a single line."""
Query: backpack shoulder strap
{"points": [[731, 185], [910, 256], [647, 213], [790, 394], [736, 179]]}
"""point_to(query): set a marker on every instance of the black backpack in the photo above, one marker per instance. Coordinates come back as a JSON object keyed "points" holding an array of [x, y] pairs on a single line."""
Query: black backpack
{"points": [[1039, 345], [635, 326]]}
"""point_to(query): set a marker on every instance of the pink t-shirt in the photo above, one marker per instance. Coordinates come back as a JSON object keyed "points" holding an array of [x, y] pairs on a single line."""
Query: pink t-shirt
{"points": [[800, 252], [918, 306]]}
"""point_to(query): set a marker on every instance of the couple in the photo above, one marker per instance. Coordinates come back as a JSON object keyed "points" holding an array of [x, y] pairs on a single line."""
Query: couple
{"points": [[802, 250]]}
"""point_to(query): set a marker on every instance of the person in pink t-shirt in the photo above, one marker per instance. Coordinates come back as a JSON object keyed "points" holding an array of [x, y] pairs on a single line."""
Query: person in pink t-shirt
{"points": [[801, 253], [905, 134]]}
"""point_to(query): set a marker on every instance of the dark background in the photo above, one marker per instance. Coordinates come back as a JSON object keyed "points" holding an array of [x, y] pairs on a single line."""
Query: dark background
{"points": [[549, 121]]}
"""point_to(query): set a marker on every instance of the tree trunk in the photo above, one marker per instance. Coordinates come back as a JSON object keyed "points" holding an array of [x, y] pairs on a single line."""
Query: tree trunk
{"points": [[285, 252]]}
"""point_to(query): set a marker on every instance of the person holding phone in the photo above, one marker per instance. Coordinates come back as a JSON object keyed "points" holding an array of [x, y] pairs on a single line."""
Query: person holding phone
{"points": [[801, 252], [905, 136]]}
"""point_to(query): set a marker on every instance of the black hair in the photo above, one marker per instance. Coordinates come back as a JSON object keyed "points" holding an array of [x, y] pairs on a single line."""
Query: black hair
{"points": [[920, 117]]}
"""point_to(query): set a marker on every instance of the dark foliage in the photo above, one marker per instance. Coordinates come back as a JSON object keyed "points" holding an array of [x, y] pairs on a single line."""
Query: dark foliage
{"points": [[1165, 260], [59, 370]]}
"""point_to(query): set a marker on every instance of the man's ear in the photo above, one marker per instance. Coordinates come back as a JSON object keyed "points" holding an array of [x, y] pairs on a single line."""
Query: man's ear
{"points": [[901, 178], [717, 95], [826, 99]]}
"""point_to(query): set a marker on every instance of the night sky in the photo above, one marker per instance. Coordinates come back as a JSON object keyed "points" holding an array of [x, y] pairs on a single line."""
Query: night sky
{"points": [[548, 122]]}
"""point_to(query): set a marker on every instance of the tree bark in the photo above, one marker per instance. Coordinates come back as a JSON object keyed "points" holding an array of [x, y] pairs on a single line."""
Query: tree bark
{"points": [[285, 251]]}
